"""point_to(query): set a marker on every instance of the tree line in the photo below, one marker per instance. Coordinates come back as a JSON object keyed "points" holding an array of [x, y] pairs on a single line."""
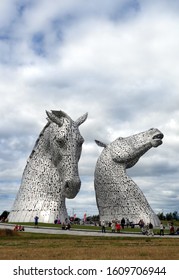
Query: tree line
{"points": [[169, 216], [95, 218]]}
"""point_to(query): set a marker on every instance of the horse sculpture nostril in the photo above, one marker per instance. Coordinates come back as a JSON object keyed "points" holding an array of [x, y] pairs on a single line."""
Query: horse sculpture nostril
{"points": [[158, 136]]}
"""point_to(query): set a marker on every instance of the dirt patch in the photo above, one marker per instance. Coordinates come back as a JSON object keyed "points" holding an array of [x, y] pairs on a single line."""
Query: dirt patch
{"points": [[8, 232]]}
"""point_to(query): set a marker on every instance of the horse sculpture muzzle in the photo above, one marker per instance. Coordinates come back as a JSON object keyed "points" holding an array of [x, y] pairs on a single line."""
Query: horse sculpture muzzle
{"points": [[71, 188]]}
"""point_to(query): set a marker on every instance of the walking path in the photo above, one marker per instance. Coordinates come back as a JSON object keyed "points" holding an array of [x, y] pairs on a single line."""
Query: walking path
{"points": [[52, 230]]}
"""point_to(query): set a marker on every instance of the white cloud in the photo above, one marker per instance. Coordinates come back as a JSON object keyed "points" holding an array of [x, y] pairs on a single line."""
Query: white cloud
{"points": [[116, 60]]}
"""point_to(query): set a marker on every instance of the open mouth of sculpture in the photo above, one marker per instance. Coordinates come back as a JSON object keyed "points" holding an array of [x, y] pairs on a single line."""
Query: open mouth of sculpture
{"points": [[158, 137]]}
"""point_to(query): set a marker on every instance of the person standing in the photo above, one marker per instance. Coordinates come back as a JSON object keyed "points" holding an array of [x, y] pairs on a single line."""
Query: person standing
{"points": [[118, 227], [123, 223], [172, 229], [151, 229], [162, 229], [36, 220], [127, 223], [113, 225], [103, 226]]}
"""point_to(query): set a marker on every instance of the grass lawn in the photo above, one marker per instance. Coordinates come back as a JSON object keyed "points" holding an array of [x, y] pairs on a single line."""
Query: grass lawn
{"points": [[35, 246]]}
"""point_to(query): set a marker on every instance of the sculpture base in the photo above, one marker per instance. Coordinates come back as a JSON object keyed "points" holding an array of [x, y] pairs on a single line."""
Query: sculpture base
{"points": [[44, 216], [133, 218]]}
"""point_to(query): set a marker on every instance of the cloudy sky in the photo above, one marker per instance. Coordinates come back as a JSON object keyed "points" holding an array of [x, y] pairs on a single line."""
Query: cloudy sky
{"points": [[117, 60]]}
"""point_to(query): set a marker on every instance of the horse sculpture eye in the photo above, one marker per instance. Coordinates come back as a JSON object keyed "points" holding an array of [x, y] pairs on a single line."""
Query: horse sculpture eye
{"points": [[60, 142]]}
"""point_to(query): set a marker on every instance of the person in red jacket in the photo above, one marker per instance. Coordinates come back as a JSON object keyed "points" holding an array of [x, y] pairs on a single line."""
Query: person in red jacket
{"points": [[118, 227]]}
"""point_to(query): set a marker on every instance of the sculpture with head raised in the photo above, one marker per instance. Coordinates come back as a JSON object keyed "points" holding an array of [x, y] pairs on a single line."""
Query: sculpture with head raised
{"points": [[117, 195]]}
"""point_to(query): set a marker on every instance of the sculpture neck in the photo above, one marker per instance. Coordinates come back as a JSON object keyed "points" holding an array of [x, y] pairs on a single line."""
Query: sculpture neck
{"points": [[115, 171]]}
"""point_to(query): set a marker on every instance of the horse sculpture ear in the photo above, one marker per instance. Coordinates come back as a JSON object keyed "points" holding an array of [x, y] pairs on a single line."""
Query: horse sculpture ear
{"points": [[81, 120], [99, 143], [52, 117]]}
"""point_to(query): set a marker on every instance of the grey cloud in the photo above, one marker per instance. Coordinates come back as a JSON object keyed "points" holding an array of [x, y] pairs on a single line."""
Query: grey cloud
{"points": [[115, 60]]}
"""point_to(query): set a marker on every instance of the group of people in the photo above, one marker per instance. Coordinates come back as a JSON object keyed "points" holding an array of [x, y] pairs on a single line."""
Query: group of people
{"points": [[57, 221], [66, 226], [19, 228], [173, 230], [115, 225], [146, 229]]}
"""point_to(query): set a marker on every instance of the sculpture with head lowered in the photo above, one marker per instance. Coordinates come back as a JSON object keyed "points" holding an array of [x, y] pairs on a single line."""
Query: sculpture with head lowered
{"points": [[117, 195], [51, 173]]}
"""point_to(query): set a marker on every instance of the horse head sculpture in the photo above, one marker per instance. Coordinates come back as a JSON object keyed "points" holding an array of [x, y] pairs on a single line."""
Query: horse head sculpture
{"points": [[51, 173], [116, 193]]}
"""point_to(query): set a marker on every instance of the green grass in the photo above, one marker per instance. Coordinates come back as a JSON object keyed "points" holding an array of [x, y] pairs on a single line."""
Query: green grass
{"points": [[25, 245], [136, 229]]}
